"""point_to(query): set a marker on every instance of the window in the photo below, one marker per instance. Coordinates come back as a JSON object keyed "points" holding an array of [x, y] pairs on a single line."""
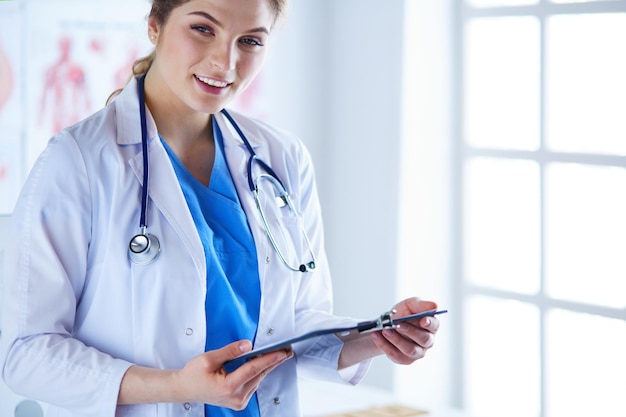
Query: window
{"points": [[541, 213]]}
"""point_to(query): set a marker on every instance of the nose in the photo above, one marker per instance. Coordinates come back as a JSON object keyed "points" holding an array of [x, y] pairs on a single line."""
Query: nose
{"points": [[223, 56]]}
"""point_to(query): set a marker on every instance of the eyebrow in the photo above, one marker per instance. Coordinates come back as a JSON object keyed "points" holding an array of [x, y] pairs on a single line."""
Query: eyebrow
{"points": [[218, 23]]}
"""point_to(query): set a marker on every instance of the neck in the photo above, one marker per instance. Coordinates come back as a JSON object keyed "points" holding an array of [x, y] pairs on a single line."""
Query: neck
{"points": [[176, 122], [187, 132]]}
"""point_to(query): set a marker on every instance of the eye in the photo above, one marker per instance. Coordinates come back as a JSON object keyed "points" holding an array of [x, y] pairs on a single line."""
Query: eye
{"points": [[251, 42], [202, 29]]}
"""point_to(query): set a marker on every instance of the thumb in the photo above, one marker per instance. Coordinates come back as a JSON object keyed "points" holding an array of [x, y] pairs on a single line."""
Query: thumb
{"points": [[235, 349], [232, 350], [415, 305]]}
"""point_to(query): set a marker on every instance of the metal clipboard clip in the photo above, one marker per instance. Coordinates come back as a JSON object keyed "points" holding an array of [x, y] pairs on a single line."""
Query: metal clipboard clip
{"points": [[386, 322], [383, 322]]}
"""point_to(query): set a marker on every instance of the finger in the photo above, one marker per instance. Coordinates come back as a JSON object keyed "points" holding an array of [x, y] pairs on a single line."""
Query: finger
{"points": [[395, 354], [231, 351], [414, 305], [254, 382], [417, 305], [413, 334], [259, 366], [415, 347], [250, 386], [429, 323]]}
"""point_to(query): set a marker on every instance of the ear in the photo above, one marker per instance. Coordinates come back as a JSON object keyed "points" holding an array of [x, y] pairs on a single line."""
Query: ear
{"points": [[153, 30]]}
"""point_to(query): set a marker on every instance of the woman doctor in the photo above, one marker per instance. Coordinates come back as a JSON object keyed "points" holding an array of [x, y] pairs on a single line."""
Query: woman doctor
{"points": [[97, 327]]}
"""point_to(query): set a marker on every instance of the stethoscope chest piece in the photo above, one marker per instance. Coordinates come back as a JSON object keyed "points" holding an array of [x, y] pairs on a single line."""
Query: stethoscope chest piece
{"points": [[143, 248]]}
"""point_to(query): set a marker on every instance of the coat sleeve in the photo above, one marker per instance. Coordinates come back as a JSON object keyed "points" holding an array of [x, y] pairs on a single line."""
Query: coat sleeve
{"points": [[45, 271], [319, 357]]}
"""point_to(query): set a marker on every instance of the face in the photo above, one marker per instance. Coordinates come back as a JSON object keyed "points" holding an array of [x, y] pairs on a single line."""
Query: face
{"points": [[208, 51]]}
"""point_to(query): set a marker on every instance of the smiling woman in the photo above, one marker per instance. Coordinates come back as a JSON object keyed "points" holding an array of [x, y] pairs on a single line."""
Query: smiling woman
{"points": [[93, 328]]}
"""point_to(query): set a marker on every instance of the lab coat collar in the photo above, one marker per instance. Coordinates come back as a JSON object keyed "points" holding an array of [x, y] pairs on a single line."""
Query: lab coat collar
{"points": [[237, 154], [127, 116], [231, 136]]}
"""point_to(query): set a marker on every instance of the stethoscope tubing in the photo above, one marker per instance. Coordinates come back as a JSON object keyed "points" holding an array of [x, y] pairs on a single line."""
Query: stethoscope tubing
{"points": [[144, 149], [143, 248], [253, 155]]}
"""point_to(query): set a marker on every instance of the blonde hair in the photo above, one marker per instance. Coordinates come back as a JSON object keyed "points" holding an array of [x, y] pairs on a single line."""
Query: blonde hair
{"points": [[161, 11]]}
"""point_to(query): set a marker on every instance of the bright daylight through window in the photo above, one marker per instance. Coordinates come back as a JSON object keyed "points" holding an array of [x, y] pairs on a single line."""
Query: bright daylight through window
{"points": [[541, 184]]}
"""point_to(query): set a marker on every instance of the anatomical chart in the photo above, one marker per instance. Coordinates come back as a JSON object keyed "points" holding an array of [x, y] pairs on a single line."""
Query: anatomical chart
{"points": [[79, 52], [11, 156]]}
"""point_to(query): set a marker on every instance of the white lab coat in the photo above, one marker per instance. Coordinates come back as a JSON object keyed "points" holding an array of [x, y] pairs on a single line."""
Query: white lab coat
{"points": [[78, 313]]}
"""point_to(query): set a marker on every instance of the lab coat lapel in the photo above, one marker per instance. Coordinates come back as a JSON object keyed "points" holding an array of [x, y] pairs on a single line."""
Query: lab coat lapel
{"points": [[237, 156], [164, 191], [166, 195]]}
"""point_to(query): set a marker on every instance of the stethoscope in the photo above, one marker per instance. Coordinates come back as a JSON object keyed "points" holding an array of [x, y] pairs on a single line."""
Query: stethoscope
{"points": [[145, 247]]}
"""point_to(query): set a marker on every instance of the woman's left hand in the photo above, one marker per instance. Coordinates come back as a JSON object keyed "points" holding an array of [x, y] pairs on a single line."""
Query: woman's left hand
{"points": [[411, 339]]}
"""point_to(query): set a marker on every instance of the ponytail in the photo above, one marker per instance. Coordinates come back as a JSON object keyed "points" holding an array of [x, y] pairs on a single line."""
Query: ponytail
{"points": [[140, 66]]}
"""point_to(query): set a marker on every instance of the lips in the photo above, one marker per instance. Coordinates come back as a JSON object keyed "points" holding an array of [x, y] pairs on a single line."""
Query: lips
{"points": [[212, 82]]}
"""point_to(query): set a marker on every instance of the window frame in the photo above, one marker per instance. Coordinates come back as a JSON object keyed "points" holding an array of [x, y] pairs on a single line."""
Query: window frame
{"points": [[462, 290]]}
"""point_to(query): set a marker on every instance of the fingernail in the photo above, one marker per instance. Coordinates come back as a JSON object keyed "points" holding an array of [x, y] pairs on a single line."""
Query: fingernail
{"points": [[427, 322], [387, 332]]}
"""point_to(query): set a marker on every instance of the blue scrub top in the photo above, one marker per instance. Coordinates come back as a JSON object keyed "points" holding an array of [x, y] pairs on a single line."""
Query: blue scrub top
{"points": [[233, 288]]}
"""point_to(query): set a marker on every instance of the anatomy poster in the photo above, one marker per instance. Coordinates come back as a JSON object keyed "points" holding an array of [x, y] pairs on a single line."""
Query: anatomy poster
{"points": [[78, 53], [11, 156]]}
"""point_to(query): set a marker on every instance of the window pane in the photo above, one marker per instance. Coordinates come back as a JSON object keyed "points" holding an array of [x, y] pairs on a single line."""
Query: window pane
{"points": [[496, 3], [502, 83], [586, 86], [501, 358], [586, 233], [585, 365], [502, 224]]}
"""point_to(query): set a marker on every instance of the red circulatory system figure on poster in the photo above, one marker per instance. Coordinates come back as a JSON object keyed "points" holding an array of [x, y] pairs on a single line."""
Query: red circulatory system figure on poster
{"points": [[6, 89], [64, 97], [6, 77]]}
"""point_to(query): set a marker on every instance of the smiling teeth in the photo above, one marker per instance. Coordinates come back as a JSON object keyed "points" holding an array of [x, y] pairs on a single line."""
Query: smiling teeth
{"points": [[212, 82]]}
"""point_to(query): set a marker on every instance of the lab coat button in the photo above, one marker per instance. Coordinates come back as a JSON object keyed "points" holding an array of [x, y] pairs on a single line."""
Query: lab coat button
{"points": [[270, 331], [187, 406], [276, 400], [267, 260], [189, 331]]}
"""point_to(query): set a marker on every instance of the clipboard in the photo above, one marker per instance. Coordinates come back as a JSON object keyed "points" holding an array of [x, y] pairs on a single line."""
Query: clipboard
{"points": [[385, 321]]}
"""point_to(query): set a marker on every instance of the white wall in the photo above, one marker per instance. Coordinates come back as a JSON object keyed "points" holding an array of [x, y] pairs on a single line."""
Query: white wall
{"points": [[336, 70], [340, 66], [424, 266], [344, 89], [369, 121], [363, 158]]}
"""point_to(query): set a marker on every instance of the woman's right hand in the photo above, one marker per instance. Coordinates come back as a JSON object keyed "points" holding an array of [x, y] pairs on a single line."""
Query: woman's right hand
{"points": [[203, 379]]}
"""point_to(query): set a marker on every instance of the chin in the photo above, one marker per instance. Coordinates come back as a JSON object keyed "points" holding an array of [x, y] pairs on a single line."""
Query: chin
{"points": [[214, 107]]}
